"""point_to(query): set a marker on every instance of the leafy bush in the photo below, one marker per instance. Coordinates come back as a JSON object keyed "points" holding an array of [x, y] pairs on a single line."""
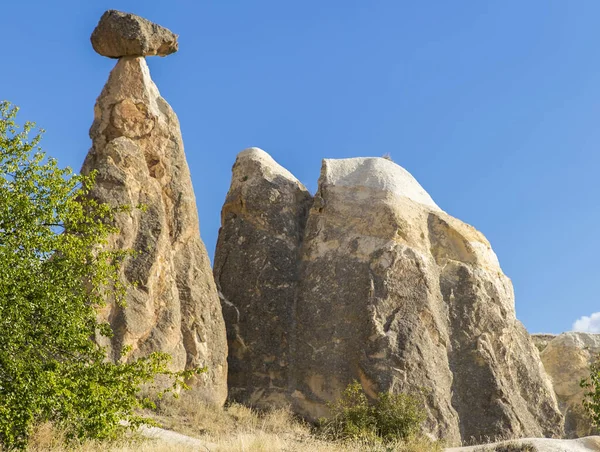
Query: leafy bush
{"points": [[391, 417], [54, 274], [591, 401]]}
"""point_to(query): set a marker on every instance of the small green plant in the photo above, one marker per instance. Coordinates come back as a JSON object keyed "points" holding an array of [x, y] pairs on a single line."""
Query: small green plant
{"points": [[591, 400], [392, 417]]}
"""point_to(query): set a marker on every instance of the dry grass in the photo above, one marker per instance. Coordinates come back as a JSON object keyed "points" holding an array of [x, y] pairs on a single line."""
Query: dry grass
{"points": [[239, 428], [234, 428], [46, 438]]}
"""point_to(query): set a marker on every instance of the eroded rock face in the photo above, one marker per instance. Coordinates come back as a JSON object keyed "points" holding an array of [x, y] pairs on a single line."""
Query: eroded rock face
{"points": [[172, 301], [121, 34], [395, 293], [256, 270], [567, 358]]}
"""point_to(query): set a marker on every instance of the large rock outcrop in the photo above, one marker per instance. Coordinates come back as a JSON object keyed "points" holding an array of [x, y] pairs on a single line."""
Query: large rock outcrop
{"points": [[567, 358], [172, 301], [386, 289], [256, 265]]}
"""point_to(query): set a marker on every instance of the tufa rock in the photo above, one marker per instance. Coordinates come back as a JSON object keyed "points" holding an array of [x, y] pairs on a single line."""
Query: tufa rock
{"points": [[172, 301], [567, 360], [256, 265], [387, 289], [121, 34], [541, 340], [403, 297]]}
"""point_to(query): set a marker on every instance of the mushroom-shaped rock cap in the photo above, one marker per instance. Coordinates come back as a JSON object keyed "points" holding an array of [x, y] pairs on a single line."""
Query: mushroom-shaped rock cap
{"points": [[121, 34]]}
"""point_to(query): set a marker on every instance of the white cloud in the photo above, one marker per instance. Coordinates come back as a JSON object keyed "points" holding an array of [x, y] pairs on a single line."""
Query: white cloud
{"points": [[587, 324]]}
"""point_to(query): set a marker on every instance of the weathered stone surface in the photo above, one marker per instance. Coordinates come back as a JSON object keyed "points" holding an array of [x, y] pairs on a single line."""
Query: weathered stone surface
{"points": [[138, 154], [567, 360], [121, 34], [256, 272], [408, 298], [541, 340], [393, 292]]}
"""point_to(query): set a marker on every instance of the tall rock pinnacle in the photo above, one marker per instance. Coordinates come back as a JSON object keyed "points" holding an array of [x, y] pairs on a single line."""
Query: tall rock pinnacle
{"points": [[172, 302]]}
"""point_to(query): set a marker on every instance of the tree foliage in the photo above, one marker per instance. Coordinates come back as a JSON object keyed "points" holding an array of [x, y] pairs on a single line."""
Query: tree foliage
{"points": [[591, 401], [55, 272], [390, 418]]}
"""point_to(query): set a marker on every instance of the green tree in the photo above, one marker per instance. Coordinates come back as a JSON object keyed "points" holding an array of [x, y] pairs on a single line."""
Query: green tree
{"points": [[55, 272]]}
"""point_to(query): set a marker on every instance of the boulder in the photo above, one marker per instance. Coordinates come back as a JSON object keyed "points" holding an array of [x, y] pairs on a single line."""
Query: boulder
{"points": [[121, 34], [567, 360], [172, 301], [388, 290]]}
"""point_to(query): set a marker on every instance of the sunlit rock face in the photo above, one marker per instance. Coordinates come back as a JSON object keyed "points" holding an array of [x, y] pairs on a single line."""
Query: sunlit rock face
{"points": [[172, 303], [567, 358], [376, 284]]}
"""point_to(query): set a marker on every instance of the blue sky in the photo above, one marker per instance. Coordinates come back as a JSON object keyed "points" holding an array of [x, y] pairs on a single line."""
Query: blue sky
{"points": [[492, 106]]}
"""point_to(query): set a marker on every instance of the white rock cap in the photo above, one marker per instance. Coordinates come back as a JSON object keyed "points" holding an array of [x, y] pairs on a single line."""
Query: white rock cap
{"points": [[266, 163], [374, 172]]}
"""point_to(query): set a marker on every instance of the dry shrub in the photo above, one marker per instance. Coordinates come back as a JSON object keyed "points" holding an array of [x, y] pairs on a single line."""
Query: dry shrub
{"points": [[189, 415]]}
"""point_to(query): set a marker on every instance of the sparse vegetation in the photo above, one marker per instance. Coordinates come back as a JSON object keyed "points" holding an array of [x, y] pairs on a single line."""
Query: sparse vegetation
{"points": [[233, 428], [392, 417]]}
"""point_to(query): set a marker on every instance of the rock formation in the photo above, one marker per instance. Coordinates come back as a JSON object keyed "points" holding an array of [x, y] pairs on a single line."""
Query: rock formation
{"points": [[172, 302], [256, 267], [567, 358], [541, 340], [121, 34], [375, 284]]}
